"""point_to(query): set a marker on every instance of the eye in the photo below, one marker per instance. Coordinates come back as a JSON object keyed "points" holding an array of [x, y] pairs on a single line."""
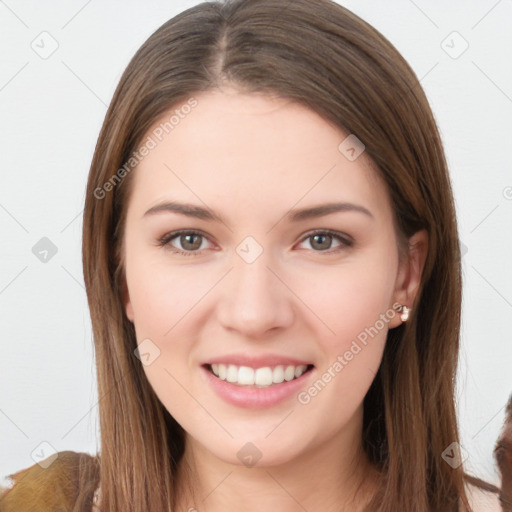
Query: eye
{"points": [[190, 241], [322, 240]]}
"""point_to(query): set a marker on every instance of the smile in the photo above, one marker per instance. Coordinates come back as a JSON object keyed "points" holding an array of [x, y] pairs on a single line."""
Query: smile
{"points": [[254, 388], [263, 377]]}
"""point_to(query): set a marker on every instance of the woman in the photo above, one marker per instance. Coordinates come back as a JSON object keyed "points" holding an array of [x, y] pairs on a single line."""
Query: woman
{"points": [[273, 272]]}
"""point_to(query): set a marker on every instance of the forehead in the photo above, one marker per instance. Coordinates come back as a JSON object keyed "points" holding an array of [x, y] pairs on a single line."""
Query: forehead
{"points": [[251, 147]]}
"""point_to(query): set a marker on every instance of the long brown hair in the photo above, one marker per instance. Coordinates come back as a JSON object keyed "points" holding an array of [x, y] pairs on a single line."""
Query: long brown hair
{"points": [[324, 57]]}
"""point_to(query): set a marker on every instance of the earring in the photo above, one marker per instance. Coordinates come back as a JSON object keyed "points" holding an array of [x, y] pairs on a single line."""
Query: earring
{"points": [[404, 312]]}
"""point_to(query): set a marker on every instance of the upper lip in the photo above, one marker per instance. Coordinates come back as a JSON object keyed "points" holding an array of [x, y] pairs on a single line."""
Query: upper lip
{"points": [[257, 361]]}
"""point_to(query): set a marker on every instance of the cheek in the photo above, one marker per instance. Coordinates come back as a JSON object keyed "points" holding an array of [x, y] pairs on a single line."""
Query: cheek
{"points": [[350, 300], [168, 306], [160, 296], [163, 302], [355, 307]]}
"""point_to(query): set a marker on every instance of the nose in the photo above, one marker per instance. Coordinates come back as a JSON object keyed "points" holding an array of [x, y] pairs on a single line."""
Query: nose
{"points": [[255, 300]]}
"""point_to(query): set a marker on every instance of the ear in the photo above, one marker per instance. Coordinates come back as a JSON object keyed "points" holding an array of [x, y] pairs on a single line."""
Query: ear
{"points": [[409, 273]]}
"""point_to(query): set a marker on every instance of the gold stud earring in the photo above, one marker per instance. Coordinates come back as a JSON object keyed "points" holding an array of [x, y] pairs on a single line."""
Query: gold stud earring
{"points": [[404, 312]]}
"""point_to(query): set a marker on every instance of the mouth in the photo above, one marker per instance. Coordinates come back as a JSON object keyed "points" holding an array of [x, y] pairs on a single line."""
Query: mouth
{"points": [[263, 377]]}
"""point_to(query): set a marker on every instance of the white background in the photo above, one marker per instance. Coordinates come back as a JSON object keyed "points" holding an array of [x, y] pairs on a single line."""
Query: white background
{"points": [[51, 111]]}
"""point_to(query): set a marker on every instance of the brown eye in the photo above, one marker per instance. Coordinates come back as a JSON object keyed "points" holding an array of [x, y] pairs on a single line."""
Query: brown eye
{"points": [[190, 242], [321, 241]]}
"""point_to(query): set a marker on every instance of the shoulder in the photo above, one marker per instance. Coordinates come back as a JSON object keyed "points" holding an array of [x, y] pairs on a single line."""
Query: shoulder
{"points": [[54, 484], [483, 500]]}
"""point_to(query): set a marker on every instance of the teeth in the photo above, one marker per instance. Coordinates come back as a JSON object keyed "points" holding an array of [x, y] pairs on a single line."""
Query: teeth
{"points": [[232, 373], [245, 376], [259, 377], [289, 373], [278, 375], [263, 376]]}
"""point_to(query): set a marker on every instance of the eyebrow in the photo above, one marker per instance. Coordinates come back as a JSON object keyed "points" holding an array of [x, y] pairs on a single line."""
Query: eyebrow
{"points": [[295, 215]]}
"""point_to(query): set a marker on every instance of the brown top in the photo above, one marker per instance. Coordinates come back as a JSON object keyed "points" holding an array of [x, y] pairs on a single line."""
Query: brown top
{"points": [[58, 482]]}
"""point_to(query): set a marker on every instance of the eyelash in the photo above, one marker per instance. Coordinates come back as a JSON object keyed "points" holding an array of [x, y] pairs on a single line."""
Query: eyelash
{"points": [[165, 240]]}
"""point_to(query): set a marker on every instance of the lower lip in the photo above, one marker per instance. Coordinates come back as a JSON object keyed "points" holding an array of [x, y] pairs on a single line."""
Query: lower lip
{"points": [[255, 398]]}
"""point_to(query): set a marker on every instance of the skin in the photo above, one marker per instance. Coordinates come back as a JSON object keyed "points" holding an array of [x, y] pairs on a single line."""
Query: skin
{"points": [[252, 158]]}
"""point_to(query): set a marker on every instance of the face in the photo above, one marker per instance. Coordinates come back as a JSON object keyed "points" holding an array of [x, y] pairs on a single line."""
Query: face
{"points": [[265, 287]]}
